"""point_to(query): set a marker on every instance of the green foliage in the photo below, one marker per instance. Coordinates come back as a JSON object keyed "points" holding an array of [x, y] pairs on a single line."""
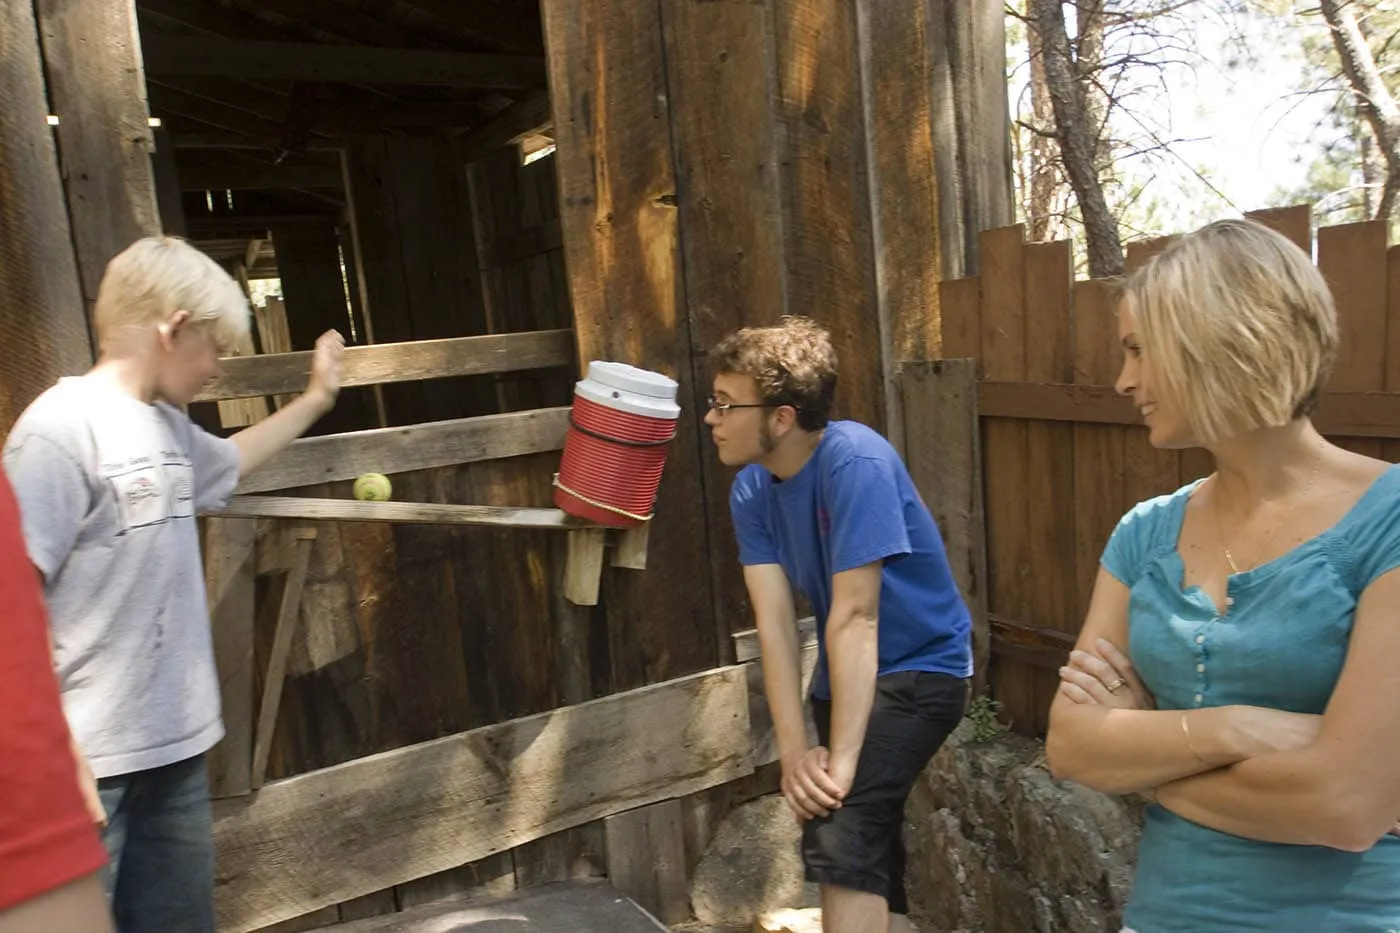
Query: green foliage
{"points": [[983, 712]]}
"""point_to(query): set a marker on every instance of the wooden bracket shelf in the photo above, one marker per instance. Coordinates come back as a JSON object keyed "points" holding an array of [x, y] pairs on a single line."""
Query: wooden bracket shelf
{"points": [[587, 542]]}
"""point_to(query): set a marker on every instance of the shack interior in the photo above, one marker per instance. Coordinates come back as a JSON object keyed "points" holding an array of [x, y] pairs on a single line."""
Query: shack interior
{"points": [[463, 691]]}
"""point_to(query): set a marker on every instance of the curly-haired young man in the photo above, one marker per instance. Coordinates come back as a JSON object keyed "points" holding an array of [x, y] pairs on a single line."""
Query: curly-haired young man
{"points": [[827, 508]]}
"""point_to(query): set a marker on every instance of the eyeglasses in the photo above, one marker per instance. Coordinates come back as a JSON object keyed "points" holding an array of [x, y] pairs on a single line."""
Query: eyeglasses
{"points": [[715, 404]]}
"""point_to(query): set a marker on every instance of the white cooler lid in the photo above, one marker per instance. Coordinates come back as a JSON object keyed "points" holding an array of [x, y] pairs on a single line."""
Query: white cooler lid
{"points": [[627, 388]]}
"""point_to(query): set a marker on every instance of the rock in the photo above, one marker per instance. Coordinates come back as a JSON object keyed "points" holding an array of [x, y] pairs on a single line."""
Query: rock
{"points": [[788, 920], [753, 865], [996, 845]]}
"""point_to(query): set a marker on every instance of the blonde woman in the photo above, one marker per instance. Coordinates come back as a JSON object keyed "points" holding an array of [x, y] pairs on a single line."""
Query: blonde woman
{"points": [[1260, 608]]}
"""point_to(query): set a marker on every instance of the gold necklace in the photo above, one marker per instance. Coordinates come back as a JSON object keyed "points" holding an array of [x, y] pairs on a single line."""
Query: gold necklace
{"points": [[1225, 546]]}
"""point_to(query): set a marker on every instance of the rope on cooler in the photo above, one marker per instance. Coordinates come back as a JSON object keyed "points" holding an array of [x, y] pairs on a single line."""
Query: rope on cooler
{"points": [[601, 505]]}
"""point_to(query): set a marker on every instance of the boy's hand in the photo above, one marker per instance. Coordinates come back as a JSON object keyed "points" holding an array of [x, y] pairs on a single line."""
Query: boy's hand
{"points": [[325, 368]]}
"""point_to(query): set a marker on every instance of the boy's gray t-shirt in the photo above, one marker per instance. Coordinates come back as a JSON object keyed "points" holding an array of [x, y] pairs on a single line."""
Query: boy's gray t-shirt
{"points": [[108, 487]]}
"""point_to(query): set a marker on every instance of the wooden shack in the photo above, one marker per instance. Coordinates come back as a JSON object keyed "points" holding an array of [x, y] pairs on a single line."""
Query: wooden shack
{"points": [[462, 690]]}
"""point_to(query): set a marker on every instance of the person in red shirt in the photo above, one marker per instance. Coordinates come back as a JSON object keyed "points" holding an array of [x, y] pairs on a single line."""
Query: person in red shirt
{"points": [[51, 855]]}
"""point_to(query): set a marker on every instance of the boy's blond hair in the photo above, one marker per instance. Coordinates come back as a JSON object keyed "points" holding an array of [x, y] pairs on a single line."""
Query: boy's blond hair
{"points": [[1239, 325], [793, 363], [155, 277]]}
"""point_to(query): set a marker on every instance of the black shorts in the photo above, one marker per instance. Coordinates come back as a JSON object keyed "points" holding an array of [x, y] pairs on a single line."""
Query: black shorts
{"points": [[861, 845]]}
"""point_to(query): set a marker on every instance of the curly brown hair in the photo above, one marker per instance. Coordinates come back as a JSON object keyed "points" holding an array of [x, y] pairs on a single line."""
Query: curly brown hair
{"points": [[792, 362]]}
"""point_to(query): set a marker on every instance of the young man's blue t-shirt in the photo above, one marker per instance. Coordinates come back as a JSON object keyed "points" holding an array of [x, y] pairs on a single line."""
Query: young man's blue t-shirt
{"points": [[852, 504]]}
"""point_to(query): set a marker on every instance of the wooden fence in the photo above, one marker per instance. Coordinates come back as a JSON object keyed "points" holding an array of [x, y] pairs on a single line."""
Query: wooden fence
{"points": [[1027, 502]]}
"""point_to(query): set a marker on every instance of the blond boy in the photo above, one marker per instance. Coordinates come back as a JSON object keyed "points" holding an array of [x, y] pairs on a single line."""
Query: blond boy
{"points": [[110, 473]]}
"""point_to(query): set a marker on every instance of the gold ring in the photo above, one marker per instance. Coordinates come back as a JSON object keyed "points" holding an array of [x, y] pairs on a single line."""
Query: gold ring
{"points": [[1113, 687]]}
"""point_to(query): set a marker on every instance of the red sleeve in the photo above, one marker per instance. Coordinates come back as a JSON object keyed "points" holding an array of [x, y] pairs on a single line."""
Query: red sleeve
{"points": [[47, 838]]}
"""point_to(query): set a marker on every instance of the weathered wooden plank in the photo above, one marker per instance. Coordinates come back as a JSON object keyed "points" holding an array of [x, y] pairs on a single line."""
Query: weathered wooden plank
{"points": [[416, 447], [507, 127], [169, 55], [1004, 355], [1294, 222], [646, 859], [944, 454], [897, 86], [765, 737], [721, 81], [41, 300], [493, 876], [1343, 414], [92, 58], [426, 808], [230, 569], [276, 674], [1099, 490], [583, 567], [827, 214], [1050, 516], [1352, 259], [396, 362], [617, 194], [573, 854], [1147, 471], [960, 302], [746, 647], [431, 513], [1391, 449]]}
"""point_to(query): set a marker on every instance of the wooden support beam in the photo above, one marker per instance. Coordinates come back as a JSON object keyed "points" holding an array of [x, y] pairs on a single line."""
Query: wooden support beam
{"points": [[309, 61], [583, 570], [646, 859], [236, 177], [335, 457], [423, 809], [230, 571], [1041, 647], [510, 126], [427, 513], [409, 361], [631, 553], [1339, 414], [942, 440], [92, 58], [501, 26], [41, 301], [287, 618]]}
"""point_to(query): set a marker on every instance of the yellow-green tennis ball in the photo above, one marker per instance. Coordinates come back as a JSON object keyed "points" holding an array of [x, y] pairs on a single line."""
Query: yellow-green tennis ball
{"points": [[373, 486]]}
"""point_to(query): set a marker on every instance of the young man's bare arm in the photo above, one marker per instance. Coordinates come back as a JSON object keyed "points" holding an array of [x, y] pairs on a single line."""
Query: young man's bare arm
{"points": [[775, 617], [853, 658]]}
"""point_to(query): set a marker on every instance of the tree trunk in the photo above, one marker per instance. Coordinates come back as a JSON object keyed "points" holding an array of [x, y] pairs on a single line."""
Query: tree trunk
{"points": [[1077, 143], [1374, 98], [1088, 60], [1044, 179]]}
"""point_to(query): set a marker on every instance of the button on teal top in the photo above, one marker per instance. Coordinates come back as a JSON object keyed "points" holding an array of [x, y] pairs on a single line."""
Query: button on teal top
{"points": [[1280, 644]]}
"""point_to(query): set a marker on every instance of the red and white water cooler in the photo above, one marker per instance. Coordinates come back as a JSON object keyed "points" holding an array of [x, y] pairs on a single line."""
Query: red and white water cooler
{"points": [[620, 428]]}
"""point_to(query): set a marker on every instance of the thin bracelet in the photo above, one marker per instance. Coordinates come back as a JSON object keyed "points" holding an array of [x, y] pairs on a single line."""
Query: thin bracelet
{"points": [[1186, 731]]}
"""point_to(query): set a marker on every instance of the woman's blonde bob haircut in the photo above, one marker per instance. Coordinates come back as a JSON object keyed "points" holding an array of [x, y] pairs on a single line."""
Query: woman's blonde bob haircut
{"points": [[155, 277], [1239, 327]]}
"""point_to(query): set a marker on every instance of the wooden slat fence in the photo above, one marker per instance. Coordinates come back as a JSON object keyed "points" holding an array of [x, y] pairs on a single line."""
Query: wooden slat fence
{"points": [[1062, 457]]}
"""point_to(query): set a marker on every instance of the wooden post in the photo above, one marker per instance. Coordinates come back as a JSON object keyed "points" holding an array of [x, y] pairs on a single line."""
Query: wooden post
{"points": [[230, 570], [945, 462], [281, 647], [583, 569], [619, 220], [41, 314], [646, 859], [92, 58]]}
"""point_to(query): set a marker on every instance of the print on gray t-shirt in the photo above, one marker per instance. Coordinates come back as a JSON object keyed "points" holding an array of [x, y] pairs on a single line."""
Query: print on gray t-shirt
{"points": [[108, 488]]}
